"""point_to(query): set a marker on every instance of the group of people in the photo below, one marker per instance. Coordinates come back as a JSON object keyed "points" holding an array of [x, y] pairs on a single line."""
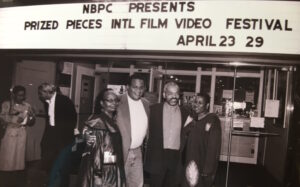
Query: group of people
{"points": [[58, 138], [174, 145], [125, 137]]}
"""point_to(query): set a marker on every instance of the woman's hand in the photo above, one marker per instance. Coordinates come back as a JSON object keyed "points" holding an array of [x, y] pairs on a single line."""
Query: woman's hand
{"points": [[30, 114], [20, 119], [89, 137], [31, 118]]}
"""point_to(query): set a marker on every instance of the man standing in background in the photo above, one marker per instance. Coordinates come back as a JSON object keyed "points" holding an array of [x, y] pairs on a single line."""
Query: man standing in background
{"points": [[163, 148], [58, 137], [132, 119]]}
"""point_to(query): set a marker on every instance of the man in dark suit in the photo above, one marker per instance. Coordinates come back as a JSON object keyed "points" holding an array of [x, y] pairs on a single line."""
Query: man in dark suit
{"points": [[163, 148], [58, 137]]}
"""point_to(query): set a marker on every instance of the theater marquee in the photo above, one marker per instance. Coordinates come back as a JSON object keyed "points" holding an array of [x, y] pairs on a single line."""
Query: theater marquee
{"points": [[220, 26]]}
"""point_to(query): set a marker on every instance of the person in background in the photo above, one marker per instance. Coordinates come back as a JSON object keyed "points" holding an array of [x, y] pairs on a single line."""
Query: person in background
{"points": [[102, 160], [201, 145], [58, 138], [163, 149], [132, 120], [16, 114], [3, 126]]}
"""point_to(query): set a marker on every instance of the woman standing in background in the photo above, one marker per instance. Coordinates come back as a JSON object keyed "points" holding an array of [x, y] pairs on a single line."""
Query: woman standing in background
{"points": [[17, 114]]}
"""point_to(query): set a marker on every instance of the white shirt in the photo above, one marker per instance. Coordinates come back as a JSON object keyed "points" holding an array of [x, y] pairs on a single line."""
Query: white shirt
{"points": [[51, 113], [138, 121]]}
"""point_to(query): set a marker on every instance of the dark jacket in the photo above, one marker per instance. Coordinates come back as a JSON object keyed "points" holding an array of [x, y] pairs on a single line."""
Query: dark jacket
{"points": [[155, 151], [62, 134], [201, 151]]}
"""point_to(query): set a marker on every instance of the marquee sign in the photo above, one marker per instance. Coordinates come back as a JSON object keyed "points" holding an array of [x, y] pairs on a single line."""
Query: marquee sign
{"points": [[214, 26]]}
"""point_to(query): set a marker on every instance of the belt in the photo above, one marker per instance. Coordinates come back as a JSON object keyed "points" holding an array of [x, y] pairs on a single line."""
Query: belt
{"points": [[133, 149]]}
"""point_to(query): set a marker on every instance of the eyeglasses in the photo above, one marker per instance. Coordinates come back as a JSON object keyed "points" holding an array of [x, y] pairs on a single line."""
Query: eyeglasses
{"points": [[112, 100]]}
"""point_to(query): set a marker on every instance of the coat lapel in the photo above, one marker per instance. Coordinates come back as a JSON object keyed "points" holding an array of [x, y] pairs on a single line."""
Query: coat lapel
{"points": [[146, 106], [160, 115], [123, 122], [126, 115]]}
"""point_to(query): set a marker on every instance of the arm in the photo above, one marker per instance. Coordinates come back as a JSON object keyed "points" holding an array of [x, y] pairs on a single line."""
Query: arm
{"points": [[2, 128], [145, 142], [5, 111], [185, 133], [184, 139], [65, 116], [12, 119], [71, 114], [31, 116], [90, 162], [97, 147], [89, 137], [213, 147]]}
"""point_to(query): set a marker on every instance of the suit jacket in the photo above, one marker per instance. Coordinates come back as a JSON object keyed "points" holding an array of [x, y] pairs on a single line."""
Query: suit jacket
{"points": [[123, 122], [65, 117], [155, 150]]}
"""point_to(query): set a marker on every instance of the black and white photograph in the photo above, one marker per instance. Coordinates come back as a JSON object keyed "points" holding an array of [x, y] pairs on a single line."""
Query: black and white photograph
{"points": [[149, 93]]}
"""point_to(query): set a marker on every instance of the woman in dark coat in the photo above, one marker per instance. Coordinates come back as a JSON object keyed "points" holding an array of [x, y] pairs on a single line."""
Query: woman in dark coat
{"points": [[201, 145], [102, 161]]}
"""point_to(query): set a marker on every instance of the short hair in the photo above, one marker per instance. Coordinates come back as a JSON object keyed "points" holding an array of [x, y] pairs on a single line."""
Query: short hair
{"points": [[100, 97], [171, 83], [136, 76], [18, 88], [51, 88], [205, 97]]}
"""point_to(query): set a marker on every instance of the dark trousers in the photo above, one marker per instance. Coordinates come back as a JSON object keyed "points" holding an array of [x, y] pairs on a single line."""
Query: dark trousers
{"points": [[167, 179], [59, 174], [66, 163], [170, 175]]}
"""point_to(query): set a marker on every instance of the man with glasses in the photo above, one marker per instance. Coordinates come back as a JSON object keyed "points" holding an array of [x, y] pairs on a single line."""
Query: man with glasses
{"points": [[132, 119]]}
